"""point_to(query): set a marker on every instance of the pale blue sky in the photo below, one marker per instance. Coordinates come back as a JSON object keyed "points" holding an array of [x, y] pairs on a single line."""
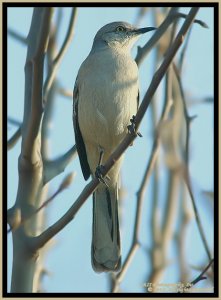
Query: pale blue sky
{"points": [[68, 261]]}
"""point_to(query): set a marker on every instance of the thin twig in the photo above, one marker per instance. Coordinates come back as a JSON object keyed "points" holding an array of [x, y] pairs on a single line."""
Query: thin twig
{"points": [[14, 121], [171, 17], [183, 52], [164, 66], [141, 13], [52, 168], [139, 210], [66, 93], [201, 277], [140, 199], [39, 241], [181, 236], [187, 287], [162, 236], [14, 139], [64, 185], [186, 172], [58, 58], [198, 221], [143, 52], [17, 36], [184, 213]]}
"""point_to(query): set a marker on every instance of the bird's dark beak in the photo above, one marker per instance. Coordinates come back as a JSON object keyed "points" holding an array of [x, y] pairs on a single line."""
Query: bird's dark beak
{"points": [[143, 30]]}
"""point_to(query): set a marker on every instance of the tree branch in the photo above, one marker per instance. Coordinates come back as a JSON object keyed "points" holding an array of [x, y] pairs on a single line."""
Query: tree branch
{"points": [[33, 83], [171, 17], [60, 55], [140, 199], [30, 160], [161, 236], [186, 170], [66, 93], [14, 121], [14, 139], [17, 36], [52, 168], [42, 239], [201, 277], [15, 221]]}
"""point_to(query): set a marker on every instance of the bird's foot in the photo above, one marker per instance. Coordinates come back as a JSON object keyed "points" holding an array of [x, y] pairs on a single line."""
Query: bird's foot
{"points": [[99, 174], [131, 127]]}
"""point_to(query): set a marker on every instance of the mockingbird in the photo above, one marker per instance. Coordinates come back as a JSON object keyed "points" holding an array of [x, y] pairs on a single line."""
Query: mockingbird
{"points": [[106, 96]]}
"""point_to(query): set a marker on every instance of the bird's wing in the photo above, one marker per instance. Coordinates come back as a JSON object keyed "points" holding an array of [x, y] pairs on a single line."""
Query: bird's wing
{"points": [[138, 99], [78, 137]]}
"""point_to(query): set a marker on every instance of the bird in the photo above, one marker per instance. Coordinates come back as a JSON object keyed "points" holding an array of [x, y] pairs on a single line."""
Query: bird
{"points": [[105, 98]]}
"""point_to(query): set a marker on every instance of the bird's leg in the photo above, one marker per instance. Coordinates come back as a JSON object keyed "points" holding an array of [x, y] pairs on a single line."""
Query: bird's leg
{"points": [[101, 155], [100, 168], [131, 127]]}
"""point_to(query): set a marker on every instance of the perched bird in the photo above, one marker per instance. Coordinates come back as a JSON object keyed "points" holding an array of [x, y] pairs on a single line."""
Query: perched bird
{"points": [[106, 96]]}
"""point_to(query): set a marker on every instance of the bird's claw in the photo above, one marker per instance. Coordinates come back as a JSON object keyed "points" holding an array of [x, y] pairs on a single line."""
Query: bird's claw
{"points": [[99, 175], [131, 127]]}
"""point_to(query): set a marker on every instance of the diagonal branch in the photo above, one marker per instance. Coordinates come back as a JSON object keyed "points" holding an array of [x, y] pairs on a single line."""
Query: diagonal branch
{"points": [[39, 241], [187, 287], [186, 174], [171, 17], [16, 221], [17, 36], [14, 121], [164, 66], [33, 83], [201, 277], [60, 55], [140, 199], [14, 139], [52, 168]]}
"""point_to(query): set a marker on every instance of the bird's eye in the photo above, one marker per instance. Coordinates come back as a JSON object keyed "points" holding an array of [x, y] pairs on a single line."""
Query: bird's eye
{"points": [[120, 28]]}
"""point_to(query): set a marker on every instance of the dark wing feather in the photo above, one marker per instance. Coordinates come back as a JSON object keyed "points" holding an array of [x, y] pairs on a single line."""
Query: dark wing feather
{"points": [[78, 137], [138, 99]]}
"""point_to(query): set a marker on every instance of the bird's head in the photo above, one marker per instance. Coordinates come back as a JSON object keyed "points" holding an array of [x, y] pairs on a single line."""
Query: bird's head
{"points": [[119, 35]]}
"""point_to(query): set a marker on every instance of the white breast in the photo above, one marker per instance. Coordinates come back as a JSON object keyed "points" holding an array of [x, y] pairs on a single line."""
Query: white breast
{"points": [[108, 90]]}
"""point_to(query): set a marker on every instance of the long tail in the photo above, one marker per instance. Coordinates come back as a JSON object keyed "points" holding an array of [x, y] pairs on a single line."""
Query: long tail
{"points": [[105, 250]]}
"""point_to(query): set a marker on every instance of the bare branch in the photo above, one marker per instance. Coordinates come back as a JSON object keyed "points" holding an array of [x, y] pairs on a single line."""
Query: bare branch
{"points": [[14, 139], [201, 277], [33, 83], [17, 36], [200, 22], [183, 52], [171, 17], [187, 287], [162, 236], [65, 183], [139, 209], [205, 100], [52, 168], [186, 172], [60, 55], [185, 217], [140, 198], [42, 239], [66, 93], [142, 11], [58, 21], [198, 220], [164, 66], [14, 121]]}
